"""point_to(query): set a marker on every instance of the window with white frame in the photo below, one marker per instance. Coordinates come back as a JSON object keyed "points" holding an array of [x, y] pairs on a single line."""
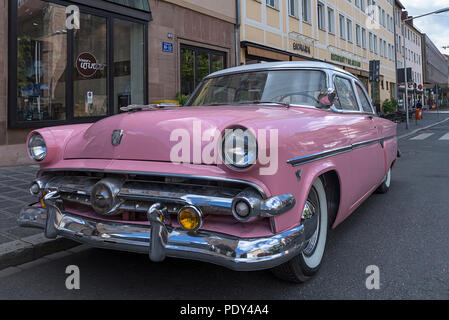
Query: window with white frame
{"points": [[321, 16], [375, 44], [357, 3], [341, 23], [306, 10], [273, 4], [331, 20], [349, 29], [362, 5], [371, 47], [293, 8], [381, 51], [363, 38], [357, 35]]}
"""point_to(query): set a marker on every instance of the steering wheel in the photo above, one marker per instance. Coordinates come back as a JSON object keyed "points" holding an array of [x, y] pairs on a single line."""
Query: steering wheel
{"points": [[298, 93]]}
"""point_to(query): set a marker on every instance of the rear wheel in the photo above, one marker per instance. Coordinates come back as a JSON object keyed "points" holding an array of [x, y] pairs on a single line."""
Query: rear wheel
{"points": [[306, 264], [385, 186]]}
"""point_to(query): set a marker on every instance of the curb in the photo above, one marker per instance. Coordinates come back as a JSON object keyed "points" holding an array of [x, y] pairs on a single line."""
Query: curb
{"points": [[31, 248], [423, 128]]}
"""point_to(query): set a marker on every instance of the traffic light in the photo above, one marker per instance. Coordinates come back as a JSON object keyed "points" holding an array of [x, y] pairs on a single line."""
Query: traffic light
{"points": [[374, 70]]}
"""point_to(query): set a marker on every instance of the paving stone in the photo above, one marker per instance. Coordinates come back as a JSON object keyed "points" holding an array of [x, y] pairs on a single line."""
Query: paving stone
{"points": [[4, 239], [21, 232], [8, 223], [15, 194]]}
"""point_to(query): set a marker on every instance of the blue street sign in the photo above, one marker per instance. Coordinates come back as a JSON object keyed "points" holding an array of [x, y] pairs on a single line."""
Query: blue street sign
{"points": [[167, 47]]}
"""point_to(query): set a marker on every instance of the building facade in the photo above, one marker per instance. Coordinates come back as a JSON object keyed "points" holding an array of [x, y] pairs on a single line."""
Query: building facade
{"points": [[345, 33], [66, 62], [409, 45], [436, 72]]}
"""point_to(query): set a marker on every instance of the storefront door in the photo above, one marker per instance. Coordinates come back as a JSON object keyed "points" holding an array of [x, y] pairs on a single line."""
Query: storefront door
{"points": [[90, 92]]}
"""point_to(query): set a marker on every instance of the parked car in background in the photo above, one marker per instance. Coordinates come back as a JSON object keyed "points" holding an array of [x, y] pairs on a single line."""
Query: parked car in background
{"points": [[250, 174]]}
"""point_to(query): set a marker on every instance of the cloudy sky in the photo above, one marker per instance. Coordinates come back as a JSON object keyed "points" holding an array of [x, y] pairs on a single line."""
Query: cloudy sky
{"points": [[435, 26]]}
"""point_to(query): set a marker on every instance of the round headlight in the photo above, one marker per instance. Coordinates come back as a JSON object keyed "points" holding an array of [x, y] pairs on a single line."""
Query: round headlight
{"points": [[239, 148], [37, 147]]}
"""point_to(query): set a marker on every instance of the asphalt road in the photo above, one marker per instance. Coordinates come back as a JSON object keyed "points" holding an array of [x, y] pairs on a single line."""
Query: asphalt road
{"points": [[404, 233]]}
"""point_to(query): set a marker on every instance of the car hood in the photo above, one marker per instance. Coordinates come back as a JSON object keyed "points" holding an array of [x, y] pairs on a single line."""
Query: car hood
{"points": [[151, 135]]}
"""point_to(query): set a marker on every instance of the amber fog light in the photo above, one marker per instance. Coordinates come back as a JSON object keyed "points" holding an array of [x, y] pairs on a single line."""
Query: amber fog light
{"points": [[190, 218]]}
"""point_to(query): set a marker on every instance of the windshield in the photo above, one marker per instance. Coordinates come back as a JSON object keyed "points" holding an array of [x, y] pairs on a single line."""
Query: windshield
{"points": [[285, 86]]}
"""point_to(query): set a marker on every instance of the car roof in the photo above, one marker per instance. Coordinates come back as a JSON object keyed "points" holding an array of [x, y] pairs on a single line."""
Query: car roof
{"points": [[279, 66]]}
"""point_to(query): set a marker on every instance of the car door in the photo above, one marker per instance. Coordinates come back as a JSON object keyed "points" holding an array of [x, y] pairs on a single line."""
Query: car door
{"points": [[367, 154]]}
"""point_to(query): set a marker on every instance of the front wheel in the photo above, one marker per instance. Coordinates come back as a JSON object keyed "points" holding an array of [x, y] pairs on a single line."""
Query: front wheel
{"points": [[306, 264]]}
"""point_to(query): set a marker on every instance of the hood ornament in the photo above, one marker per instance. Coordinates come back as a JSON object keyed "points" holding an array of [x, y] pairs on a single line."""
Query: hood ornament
{"points": [[116, 137]]}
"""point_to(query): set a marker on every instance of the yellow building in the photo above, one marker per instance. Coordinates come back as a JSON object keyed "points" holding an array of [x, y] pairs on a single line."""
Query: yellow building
{"points": [[345, 33]]}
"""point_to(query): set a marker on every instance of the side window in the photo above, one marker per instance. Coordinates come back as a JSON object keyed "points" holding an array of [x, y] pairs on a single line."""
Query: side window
{"points": [[363, 99], [345, 93]]}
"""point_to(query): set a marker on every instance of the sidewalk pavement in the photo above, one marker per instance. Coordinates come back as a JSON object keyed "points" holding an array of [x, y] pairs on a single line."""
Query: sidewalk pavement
{"points": [[19, 245]]}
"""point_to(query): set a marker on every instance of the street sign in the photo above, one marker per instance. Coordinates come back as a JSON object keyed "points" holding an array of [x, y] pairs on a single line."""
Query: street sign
{"points": [[167, 47]]}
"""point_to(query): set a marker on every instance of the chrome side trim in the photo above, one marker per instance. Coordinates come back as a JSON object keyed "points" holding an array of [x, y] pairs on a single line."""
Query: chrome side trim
{"points": [[241, 254], [325, 154], [316, 156]]}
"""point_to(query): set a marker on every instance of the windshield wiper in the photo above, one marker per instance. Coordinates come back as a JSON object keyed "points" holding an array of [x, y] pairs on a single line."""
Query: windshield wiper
{"points": [[285, 104]]}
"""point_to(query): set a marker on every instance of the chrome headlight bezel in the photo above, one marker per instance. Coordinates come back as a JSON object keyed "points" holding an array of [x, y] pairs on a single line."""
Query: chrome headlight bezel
{"points": [[247, 149], [37, 147]]}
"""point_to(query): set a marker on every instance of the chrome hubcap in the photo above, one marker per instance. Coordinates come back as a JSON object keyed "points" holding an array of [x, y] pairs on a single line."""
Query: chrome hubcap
{"points": [[311, 213]]}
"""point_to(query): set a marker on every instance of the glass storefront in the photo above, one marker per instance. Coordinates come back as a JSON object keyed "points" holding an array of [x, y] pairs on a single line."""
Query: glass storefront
{"points": [[41, 61], [79, 74]]}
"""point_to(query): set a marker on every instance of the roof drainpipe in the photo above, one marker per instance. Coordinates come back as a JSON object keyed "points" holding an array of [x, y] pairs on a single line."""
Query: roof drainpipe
{"points": [[237, 33]]}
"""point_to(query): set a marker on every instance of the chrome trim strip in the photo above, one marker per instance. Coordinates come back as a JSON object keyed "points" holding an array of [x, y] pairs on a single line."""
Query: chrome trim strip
{"points": [[325, 154], [158, 174], [316, 156], [241, 254]]}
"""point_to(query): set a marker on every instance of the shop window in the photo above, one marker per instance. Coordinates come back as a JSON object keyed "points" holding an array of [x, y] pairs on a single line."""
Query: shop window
{"points": [[61, 75], [41, 62], [197, 63]]}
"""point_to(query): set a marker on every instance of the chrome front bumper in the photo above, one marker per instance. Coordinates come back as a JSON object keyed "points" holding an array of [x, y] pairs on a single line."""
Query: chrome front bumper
{"points": [[239, 254]]}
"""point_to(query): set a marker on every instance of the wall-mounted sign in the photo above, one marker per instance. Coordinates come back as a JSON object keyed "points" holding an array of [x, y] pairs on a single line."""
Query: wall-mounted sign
{"points": [[351, 62], [301, 47], [87, 65], [167, 47]]}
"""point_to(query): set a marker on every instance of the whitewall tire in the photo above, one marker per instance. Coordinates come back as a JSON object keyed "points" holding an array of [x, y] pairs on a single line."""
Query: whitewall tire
{"points": [[307, 263], [385, 186]]}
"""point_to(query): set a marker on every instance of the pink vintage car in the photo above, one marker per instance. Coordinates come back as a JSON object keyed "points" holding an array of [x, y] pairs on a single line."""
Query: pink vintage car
{"points": [[250, 175]]}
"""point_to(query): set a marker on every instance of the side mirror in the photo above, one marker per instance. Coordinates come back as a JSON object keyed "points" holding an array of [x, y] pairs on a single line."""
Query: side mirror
{"points": [[327, 97]]}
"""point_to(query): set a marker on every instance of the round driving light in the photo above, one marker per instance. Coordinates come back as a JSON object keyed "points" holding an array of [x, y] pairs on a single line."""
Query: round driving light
{"points": [[242, 209], [35, 189], [37, 147], [101, 198], [190, 218]]}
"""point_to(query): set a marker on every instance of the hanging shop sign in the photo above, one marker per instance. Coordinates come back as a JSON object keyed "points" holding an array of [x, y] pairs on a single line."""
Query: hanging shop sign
{"points": [[351, 62], [87, 65]]}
